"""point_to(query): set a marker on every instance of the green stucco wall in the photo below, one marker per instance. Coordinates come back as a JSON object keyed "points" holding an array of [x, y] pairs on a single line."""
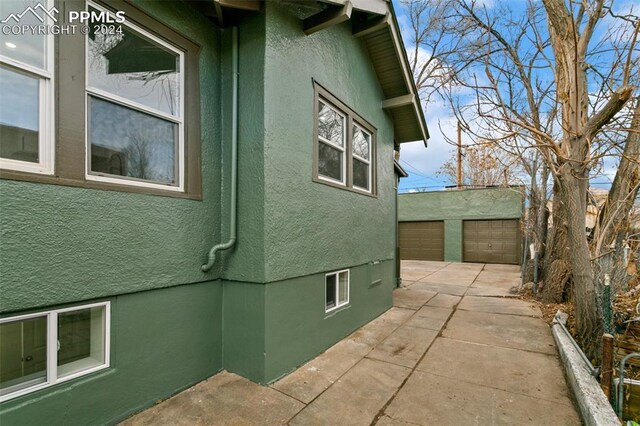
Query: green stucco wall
{"points": [[269, 330], [67, 245], [62, 244], [297, 327], [245, 261], [453, 207], [468, 204], [260, 311], [162, 341], [292, 227], [453, 240], [311, 227]]}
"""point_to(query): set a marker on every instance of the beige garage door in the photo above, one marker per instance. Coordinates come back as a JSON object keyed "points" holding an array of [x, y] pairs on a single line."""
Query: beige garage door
{"points": [[421, 240], [491, 241]]}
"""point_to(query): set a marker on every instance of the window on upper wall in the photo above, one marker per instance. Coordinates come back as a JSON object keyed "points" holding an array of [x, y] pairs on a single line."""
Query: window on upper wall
{"points": [[41, 349], [344, 146], [135, 98], [336, 290], [128, 116], [26, 84]]}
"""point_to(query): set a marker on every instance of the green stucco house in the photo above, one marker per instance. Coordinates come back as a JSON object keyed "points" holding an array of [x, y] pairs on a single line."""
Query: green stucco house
{"points": [[187, 187]]}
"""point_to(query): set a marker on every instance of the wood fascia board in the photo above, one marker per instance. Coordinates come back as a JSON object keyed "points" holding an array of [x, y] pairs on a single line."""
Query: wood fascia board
{"points": [[329, 17], [406, 72], [362, 28], [399, 101]]}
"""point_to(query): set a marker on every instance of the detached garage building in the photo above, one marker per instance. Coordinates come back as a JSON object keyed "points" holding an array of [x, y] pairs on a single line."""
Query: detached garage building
{"points": [[469, 225]]}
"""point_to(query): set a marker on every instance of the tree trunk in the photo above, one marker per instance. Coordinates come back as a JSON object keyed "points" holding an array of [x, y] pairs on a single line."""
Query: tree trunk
{"points": [[588, 306], [542, 222], [556, 272]]}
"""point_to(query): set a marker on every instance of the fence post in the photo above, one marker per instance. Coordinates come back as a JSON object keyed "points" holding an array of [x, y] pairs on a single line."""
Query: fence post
{"points": [[607, 313], [606, 374]]}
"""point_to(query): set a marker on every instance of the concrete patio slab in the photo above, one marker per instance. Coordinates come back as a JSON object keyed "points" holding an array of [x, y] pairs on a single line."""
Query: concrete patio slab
{"points": [[442, 300], [222, 399], [405, 346], [411, 299], [453, 402], [490, 292], [313, 378], [493, 363], [451, 277], [423, 265], [357, 397], [412, 275], [456, 290], [499, 306], [497, 279], [502, 268], [510, 331], [513, 370], [377, 330], [434, 312], [426, 322], [388, 421]]}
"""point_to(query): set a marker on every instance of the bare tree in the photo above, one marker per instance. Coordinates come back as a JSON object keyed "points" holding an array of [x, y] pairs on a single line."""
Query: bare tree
{"points": [[542, 83], [609, 236], [484, 164]]}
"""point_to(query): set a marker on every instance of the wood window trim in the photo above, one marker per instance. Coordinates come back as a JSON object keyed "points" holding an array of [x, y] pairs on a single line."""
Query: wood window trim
{"points": [[70, 106], [320, 93]]}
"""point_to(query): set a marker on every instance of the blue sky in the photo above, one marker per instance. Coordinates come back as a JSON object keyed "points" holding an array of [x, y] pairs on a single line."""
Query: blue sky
{"points": [[422, 164]]}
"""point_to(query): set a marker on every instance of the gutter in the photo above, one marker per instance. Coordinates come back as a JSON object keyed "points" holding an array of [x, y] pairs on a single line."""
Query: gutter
{"points": [[234, 158]]}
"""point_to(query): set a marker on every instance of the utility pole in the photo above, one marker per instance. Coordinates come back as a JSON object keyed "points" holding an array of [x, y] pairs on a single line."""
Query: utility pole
{"points": [[459, 174]]}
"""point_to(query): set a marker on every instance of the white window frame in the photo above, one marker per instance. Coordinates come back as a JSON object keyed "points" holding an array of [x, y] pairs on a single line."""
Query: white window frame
{"points": [[338, 304], [121, 101], [52, 347], [354, 157], [342, 148], [46, 110]]}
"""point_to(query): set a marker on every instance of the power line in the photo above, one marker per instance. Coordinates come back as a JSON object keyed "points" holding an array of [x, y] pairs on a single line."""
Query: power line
{"points": [[416, 170]]}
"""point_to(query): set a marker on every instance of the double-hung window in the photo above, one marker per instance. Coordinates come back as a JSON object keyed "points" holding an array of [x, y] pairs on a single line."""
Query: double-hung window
{"points": [[26, 87], [127, 98], [135, 102], [344, 146], [336, 290], [41, 349]]}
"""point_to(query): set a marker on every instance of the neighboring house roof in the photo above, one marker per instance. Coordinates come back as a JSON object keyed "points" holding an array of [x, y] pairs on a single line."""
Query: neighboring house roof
{"points": [[373, 21]]}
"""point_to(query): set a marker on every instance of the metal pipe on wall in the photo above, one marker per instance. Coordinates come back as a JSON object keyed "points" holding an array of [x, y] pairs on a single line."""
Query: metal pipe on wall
{"points": [[234, 157]]}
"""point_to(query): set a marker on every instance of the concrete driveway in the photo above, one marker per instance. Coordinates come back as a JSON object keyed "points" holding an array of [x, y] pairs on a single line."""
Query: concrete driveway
{"points": [[454, 349]]}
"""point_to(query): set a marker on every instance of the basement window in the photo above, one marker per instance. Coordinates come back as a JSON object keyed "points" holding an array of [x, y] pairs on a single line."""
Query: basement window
{"points": [[41, 349], [344, 146], [336, 290]]}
